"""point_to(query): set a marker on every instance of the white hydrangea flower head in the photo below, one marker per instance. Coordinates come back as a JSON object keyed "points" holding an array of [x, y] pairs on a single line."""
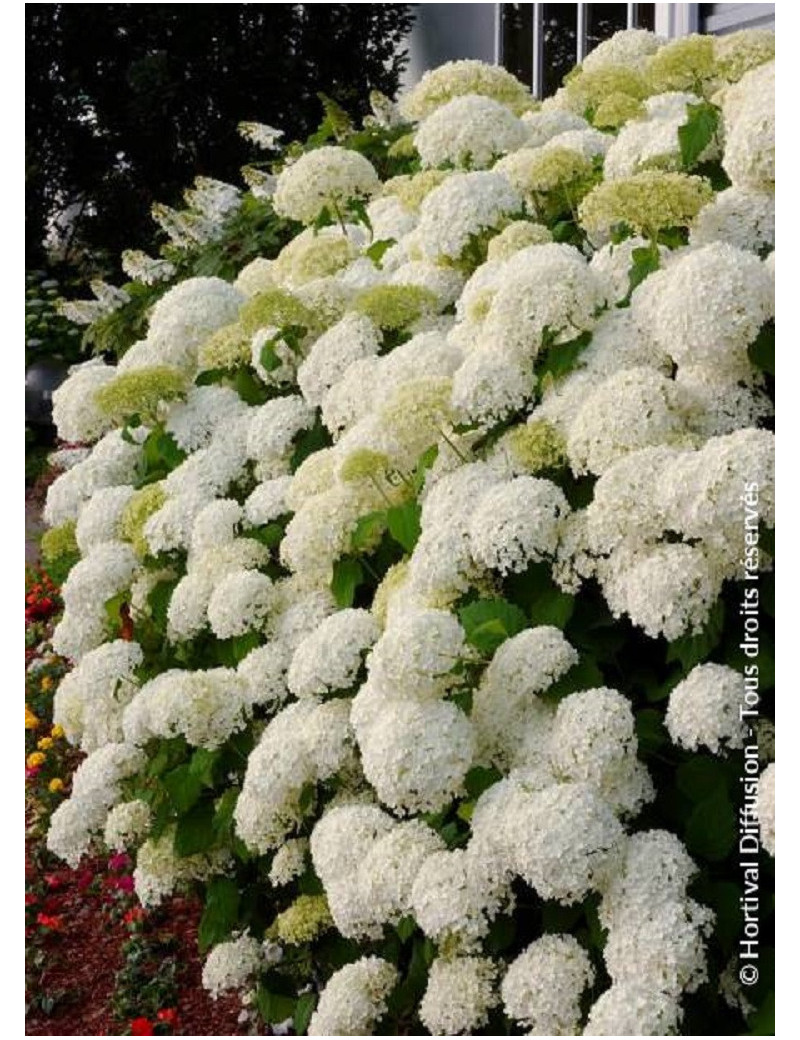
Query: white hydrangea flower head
{"points": [[454, 898], [126, 825], [543, 986], [666, 589], [76, 416], [635, 1009], [544, 288], [267, 501], [711, 304], [665, 946], [705, 709], [99, 517], [416, 755], [517, 523], [459, 995], [327, 177], [289, 861], [629, 47], [264, 670], [493, 382], [455, 78], [187, 314], [232, 965], [765, 808], [418, 652], [350, 339], [465, 205], [329, 659], [112, 461], [354, 999], [215, 525], [204, 707], [748, 112], [90, 699], [194, 421], [470, 131], [567, 842], [632, 409], [159, 870], [543, 125], [95, 789], [741, 216], [240, 603], [386, 874]]}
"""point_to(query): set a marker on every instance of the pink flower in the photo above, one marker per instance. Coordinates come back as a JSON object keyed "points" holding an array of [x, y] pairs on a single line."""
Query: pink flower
{"points": [[119, 861]]}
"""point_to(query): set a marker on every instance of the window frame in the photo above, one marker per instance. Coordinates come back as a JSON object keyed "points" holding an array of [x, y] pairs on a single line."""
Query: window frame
{"points": [[671, 20]]}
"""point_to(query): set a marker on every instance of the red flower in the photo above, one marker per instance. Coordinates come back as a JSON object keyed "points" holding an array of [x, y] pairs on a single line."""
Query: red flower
{"points": [[142, 1027], [49, 921], [169, 1016], [134, 915], [53, 880], [125, 883], [119, 861], [31, 899], [32, 771], [84, 879]]}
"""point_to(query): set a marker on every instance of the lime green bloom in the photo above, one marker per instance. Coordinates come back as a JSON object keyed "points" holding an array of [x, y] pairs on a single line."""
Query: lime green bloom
{"points": [[307, 918], [140, 391], [395, 306], [363, 464], [276, 308], [535, 446], [517, 235], [742, 51], [412, 188], [310, 256], [592, 86], [228, 347], [647, 202], [59, 542], [684, 64], [616, 110], [137, 512]]}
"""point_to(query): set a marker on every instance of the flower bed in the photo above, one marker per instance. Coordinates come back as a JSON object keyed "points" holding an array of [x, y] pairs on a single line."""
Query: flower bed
{"points": [[417, 560]]}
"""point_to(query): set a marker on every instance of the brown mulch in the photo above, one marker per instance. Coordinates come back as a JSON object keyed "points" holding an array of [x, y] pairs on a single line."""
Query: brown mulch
{"points": [[83, 957]]}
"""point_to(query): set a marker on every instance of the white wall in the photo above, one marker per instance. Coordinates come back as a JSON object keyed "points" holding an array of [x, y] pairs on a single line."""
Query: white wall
{"points": [[443, 32]]}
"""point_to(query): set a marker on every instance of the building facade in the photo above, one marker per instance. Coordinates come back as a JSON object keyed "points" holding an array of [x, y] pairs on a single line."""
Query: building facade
{"points": [[540, 43]]}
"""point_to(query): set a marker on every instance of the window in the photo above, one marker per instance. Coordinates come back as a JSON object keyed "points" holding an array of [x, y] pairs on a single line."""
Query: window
{"points": [[540, 43]]}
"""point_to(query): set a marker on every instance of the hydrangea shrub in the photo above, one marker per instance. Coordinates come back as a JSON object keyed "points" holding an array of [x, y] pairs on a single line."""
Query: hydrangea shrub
{"points": [[407, 624]]}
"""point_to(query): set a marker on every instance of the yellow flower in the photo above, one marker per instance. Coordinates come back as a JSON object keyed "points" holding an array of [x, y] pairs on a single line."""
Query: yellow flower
{"points": [[57, 731], [31, 722], [45, 744], [35, 759], [56, 785], [47, 683]]}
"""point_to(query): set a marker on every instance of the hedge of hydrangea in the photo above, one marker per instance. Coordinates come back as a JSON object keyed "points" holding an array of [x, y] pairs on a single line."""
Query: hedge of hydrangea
{"points": [[420, 518]]}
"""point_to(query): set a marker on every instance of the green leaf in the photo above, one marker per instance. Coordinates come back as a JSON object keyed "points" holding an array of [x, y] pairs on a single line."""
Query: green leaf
{"points": [[223, 815], [269, 534], [480, 779], [711, 828], [404, 524], [701, 777], [487, 623], [762, 350], [559, 359], [194, 831], [274, 1007], [377, 249], [251, 390], [183, 787], [646, 260], [303, 1012], [347, 576], [424, 463], [158, 601], [551, 606], [697, 132], [221, 912], [308, 442], [585, 675], [369, 529], [762, 1021], [268, 358], [202, 765], [502, 933], [406, 927], [650, 731], [692, 650]]}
